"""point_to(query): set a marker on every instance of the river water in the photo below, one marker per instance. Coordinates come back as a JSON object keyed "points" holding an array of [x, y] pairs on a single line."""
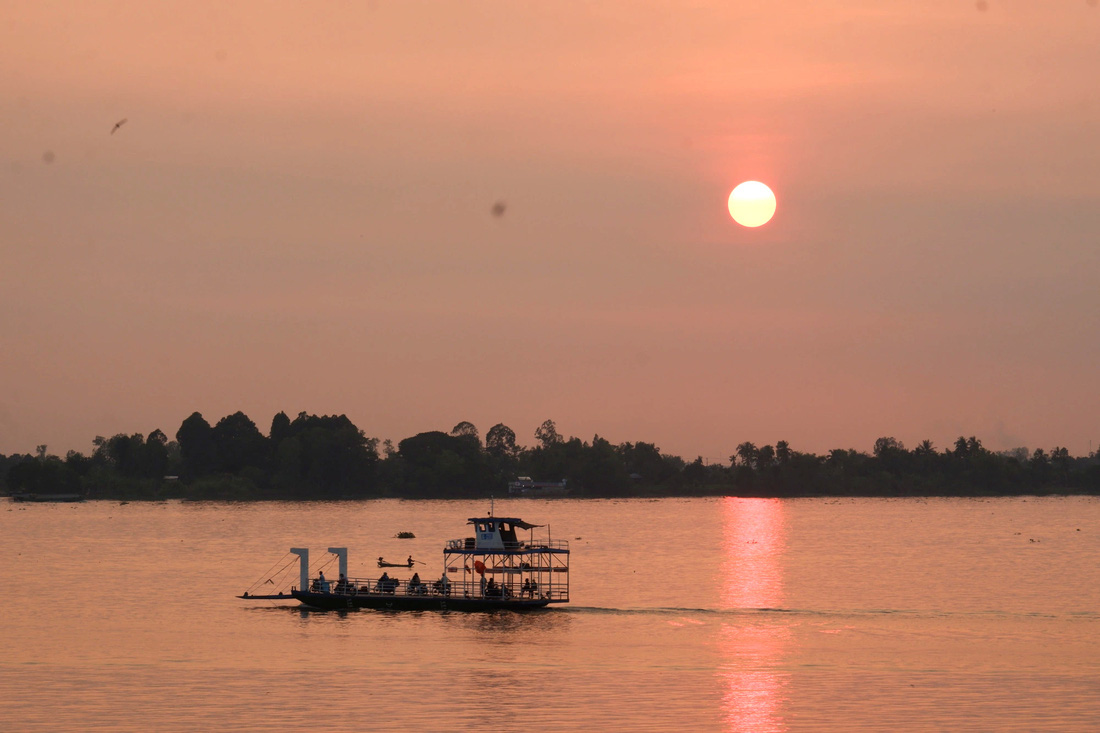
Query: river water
{"points": [[708, 614]]}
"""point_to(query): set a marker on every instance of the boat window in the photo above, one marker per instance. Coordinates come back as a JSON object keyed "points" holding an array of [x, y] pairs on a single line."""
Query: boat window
{"points": [[507, 532]]}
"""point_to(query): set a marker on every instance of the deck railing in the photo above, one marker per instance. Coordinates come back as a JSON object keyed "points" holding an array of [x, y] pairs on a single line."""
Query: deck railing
{"points": [[468, 543], [453, 589]]}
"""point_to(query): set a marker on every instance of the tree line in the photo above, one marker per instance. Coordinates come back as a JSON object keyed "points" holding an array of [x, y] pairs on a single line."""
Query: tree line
{"points": [[329, 457]]}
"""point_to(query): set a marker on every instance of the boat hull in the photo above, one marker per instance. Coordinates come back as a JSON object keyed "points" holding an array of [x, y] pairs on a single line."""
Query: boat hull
{"points": [[400, 602]]}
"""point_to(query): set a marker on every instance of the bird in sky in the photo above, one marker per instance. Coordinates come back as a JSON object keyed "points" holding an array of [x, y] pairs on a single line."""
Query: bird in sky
{"points": [[118, 124], [498, 208]]}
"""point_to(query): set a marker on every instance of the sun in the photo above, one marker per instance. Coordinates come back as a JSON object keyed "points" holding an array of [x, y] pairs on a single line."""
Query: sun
{"points": [[752, 204]]}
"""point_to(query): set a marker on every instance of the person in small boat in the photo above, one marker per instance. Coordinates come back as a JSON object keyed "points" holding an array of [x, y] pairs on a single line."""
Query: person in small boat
{"points": [[410, 561]]}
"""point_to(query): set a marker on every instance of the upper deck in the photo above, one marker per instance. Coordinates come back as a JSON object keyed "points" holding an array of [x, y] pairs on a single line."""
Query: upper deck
{"points": [[506, 535]]}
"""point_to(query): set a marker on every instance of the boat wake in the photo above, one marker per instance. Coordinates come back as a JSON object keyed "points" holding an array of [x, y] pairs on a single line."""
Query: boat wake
{"points": [[814, 613]]}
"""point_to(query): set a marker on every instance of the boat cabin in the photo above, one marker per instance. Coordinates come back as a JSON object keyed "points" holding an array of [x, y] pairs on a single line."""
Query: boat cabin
{"points": [[496, 533]]}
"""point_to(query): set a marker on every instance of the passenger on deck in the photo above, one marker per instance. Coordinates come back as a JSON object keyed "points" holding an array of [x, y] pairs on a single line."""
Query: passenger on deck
{"points": [[442, 586], [491, 588], [342, 584], [526, 590], [384, 583], [415, 586]]}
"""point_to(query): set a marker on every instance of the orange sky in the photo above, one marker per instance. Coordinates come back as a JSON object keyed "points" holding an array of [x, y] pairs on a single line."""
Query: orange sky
{"points": [[296, 216]]}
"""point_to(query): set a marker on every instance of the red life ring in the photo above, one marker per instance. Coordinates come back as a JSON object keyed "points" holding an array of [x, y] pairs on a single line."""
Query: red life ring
{"points": [[479, 566]]}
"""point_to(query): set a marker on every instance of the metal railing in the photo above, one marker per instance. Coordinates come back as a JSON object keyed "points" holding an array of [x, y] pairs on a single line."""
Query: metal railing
{"points": [[469, 543], [461, 589]]}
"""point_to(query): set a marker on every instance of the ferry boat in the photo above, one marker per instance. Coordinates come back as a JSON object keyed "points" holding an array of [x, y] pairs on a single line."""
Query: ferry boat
{"points": [[497, 568], [525, 486], [47, 497]]}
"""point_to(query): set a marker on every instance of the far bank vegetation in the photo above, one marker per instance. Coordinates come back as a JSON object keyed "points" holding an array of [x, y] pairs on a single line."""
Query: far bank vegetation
{"points": [[328, 457]]}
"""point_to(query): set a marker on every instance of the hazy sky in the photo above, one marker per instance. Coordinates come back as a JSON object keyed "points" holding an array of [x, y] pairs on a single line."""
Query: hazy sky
{"points": [[297, 215]]}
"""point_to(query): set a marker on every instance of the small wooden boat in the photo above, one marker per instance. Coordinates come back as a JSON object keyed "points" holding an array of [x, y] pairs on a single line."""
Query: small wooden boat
{"points": [[492, 570], [383, 564], [47, 497]]}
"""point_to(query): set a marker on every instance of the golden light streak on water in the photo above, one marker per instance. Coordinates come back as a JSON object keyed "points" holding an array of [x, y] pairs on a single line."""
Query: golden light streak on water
{"points": [[753, 540]]}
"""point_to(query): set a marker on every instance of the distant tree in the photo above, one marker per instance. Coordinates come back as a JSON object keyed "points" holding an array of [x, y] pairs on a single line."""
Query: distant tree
{"points": [[1038, 468], [500, 441], [45, 475], [1020, 454], [154, 459], [280, 429], [467, 429], [748, 455], [926, 448], [886, 445], [198, 451], [547, 434], [80, 463], [239, 444], [601, 468], [695, 473], [783, 452], [962, 448], [1060, 460], [645, 461], [443, 465], [332, 457]]}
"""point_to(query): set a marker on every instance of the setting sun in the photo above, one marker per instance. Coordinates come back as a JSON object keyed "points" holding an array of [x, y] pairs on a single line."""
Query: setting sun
{"points": [[752, 204]]}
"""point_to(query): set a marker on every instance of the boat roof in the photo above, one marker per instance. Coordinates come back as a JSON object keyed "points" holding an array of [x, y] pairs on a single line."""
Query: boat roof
{"points": [[511, 520]]}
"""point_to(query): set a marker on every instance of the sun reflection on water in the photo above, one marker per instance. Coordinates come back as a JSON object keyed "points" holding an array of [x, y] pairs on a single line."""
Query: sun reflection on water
{"points": [[753, 541]]}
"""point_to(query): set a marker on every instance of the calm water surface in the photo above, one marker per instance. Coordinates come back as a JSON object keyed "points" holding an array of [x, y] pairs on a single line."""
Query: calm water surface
{"points": [[695, 614]]}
